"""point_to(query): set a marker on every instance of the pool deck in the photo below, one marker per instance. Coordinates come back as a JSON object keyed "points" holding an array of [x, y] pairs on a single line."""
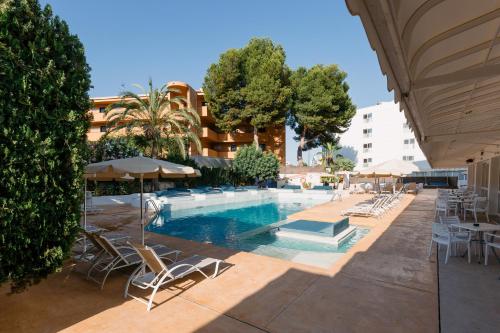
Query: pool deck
{"points": [[384, 283]]}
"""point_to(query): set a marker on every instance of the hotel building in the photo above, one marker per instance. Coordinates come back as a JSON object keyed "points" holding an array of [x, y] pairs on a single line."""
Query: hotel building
{"points": [[379, 133], [215, 143]]}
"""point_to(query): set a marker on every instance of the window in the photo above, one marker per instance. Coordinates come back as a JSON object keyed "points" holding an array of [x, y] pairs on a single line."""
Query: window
{"points": [[262, 130], [262, 146], [409, 143], [103, 129], [233, 147], [367, 117], [367, 161], [367, 147], [367, 132], [102, 109], [408, 158]]}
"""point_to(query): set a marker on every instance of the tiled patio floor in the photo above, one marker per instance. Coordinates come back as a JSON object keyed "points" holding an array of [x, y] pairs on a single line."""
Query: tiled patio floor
{"points": [[385, 283]]}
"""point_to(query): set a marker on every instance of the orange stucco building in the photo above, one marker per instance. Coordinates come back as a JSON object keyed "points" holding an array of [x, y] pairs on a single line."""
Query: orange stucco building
{"points": [[215, 143]]}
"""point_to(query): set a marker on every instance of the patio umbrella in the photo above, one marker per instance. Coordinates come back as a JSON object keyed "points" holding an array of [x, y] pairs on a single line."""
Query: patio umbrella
{"points": [[139, 167], [390, 168]]}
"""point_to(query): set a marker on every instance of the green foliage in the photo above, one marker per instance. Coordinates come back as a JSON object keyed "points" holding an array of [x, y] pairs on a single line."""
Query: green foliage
{"points": [[154, 116], [249, 86], [110, 148], [268, 167], [329, 149], [44, 80], [245, 161], [343, 164], [321, 106], [329, 179], [251, 163]]}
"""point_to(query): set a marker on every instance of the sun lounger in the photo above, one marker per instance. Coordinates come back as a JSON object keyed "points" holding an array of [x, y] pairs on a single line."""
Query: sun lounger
{"points": [[114, 257], [154, 273]]}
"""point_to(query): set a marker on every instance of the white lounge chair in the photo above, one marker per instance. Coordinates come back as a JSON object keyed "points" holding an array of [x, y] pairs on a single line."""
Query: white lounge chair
{"points": [[113, 257], [154, 273]]}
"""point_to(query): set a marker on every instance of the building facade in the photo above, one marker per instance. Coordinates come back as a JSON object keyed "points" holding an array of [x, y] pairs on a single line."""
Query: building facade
{"points": [[379, 133], [215, 143]]}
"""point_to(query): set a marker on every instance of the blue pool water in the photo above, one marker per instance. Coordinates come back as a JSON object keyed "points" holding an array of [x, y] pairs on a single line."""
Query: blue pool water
{"points": [[221, 225]]}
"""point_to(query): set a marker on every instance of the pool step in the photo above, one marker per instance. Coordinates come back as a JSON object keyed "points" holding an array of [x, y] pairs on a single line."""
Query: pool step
{"points": [[336, 240]]}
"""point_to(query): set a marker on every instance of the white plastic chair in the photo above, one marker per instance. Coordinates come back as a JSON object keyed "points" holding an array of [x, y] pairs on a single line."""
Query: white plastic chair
{"points": [[441, 206], [443, 234], [493, 242], [479, 205]]}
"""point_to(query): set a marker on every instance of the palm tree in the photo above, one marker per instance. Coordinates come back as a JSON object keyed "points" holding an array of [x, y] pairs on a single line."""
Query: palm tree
{"points": [[157, 119], [329, 150]]}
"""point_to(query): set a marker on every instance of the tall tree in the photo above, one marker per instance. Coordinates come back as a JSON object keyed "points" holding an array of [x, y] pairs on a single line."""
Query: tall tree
{"points": [[155, 118], [321, 106], [44, 83], [249, 86]]}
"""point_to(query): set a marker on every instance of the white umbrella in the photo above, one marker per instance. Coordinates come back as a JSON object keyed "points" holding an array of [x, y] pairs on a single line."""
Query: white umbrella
{"points": [[396, 168], [139, 167], [390, 168]]}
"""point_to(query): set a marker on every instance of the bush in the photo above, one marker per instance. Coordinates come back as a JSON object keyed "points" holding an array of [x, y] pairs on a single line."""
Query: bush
{"points": [[44, 80], [110, 148], [250, 164], [343, 164]]}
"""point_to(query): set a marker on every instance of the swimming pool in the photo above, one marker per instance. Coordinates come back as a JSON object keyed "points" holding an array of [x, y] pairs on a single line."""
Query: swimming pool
{"points": [[224, 225]]}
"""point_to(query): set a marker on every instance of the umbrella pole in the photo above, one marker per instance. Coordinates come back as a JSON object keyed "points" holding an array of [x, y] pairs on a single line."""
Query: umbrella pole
{"points": [[142, 219], [85, 213]]}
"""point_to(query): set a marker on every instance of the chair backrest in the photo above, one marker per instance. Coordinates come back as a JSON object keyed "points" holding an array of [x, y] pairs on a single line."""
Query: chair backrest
{"points": [[92, 237], [449, 219], [439, 229], [441, 203], [480, 202], [151, 259], [109, 247]]}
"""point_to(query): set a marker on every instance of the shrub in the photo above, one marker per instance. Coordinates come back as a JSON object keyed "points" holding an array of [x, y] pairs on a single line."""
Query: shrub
{"points": [[250, 164], [44, 80], [110, 148]]}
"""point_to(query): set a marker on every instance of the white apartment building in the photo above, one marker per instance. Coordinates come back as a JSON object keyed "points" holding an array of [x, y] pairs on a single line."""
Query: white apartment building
{"points": [[379, 133]]}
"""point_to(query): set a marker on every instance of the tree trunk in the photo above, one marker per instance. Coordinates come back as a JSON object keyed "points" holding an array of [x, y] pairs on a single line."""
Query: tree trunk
{"points": [[256, 137], [300, 148]]}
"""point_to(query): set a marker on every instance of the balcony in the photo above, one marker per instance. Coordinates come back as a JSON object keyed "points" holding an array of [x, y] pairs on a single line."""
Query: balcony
{"points": [[236, 137], [209, 134], [227, 154], [210, 152]]}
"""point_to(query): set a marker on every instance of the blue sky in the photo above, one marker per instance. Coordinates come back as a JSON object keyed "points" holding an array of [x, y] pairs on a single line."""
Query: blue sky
{"points": [[129, 41]]}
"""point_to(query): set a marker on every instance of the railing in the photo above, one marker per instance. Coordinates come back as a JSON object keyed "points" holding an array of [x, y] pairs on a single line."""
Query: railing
{"points": [[150, 203]]}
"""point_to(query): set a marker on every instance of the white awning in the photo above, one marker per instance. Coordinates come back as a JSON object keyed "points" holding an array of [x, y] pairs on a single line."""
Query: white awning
{"points": [[442, 59]]}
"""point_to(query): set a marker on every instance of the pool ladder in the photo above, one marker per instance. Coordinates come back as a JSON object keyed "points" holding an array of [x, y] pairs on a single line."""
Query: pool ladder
{"points": [[150, 204]]}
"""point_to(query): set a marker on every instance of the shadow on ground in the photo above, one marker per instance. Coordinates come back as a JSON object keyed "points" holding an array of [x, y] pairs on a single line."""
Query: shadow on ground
{"points": [[390, 286]]}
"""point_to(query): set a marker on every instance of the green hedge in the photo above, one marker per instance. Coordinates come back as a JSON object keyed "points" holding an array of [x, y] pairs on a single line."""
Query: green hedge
{"points": [[44, 80]]}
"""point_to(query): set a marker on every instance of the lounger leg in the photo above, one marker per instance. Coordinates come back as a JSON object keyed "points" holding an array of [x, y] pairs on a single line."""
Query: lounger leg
{"points": [[486, 254], [430, 248], [109, 270], [152, 296], [475, 216], [487, 217], [216, 269], [132, 277], [94, 265]]}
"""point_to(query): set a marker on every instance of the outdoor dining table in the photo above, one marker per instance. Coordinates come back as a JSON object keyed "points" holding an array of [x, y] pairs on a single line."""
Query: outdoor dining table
{"points": [[481, 228]]}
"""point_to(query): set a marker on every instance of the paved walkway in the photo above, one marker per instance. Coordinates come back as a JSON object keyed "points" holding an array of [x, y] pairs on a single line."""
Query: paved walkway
{"points": [[469, 294], [383, 284]]}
